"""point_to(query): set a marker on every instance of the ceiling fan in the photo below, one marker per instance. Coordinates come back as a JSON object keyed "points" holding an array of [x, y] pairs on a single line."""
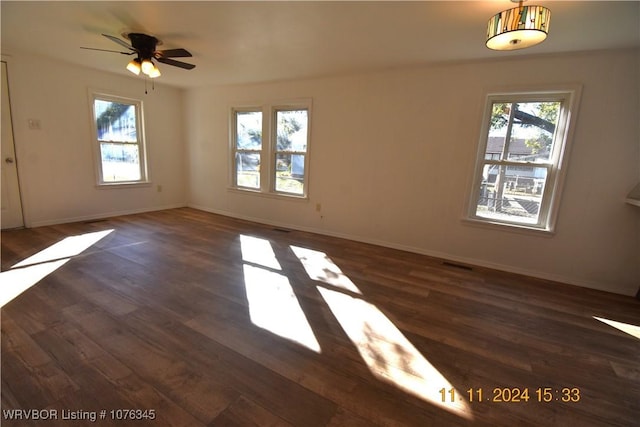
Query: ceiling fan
{"points": [[144, 47]]}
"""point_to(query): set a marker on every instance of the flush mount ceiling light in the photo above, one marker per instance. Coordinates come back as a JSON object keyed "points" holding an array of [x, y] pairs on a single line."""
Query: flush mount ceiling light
{"points": [[517, 28]]}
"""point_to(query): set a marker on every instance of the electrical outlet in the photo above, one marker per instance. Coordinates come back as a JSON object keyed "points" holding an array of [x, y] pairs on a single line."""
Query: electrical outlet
{"points": [[159, 187], [318, 207]]}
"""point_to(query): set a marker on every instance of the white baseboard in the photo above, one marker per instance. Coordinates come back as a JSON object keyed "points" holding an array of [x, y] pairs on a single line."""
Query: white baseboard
{"points": [[436, 254], [102, 215]]}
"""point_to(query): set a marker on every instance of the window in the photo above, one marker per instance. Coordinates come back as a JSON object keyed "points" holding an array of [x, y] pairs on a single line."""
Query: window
{"points": [[119, 138], [520, 165], [248, 148], [278, 165], [291, 134]]}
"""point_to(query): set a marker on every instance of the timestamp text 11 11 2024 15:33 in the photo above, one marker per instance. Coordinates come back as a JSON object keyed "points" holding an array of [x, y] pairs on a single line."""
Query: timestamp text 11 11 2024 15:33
{"points": [[515, 395]]}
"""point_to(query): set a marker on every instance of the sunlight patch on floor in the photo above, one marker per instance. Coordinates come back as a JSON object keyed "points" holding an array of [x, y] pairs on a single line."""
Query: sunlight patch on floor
{"points": [[14, 282], [627, 328], [31, 270], [320, 267], [389, 355], [258, 251], [274, 306], [65, 248]]}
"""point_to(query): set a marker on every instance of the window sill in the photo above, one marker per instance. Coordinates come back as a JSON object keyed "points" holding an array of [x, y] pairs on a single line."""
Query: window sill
{"points": [[107, 185], [281, 196], [513, 228]]}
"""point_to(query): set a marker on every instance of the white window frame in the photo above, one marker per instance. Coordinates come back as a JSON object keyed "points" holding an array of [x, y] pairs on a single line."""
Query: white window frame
{"points": [[140, 140], [269, 151], [556, 165]]}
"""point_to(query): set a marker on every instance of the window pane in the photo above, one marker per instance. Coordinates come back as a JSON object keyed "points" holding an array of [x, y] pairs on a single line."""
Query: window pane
{"points": [[249, 130], [115, 121], [532, 132], [511, 193], [248, 170], [120, 162], [290, 173], [498, 130], [291, 130]]}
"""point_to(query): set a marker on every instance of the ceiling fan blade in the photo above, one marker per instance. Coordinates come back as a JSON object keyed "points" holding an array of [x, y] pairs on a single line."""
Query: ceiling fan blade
{"points": [[173, 53], [176, 63], [120, 42], [107, 50]]}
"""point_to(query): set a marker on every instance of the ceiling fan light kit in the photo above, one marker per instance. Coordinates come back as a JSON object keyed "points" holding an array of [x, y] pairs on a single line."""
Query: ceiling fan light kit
{"points": [[518, 28], [146, 66]]}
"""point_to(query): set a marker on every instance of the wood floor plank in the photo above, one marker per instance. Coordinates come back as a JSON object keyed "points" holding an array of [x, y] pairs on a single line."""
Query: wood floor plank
{"points": [[245, 413], [158, 315], [168, 373]]}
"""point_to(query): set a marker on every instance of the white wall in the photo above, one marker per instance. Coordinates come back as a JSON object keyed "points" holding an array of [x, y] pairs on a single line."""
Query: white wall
{"points": [[392, 152], [56, 163]]}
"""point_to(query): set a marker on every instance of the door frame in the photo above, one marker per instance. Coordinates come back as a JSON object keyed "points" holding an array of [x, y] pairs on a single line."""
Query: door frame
{"points": [[13, 142]]}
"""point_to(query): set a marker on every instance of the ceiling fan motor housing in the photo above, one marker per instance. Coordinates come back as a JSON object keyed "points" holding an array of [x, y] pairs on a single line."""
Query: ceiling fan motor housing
{"points": [[144, 44]]}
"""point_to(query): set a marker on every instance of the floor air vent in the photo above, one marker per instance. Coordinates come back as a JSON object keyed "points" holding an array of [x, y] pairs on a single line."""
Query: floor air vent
{"points": [[282, 230], [455, 265]]}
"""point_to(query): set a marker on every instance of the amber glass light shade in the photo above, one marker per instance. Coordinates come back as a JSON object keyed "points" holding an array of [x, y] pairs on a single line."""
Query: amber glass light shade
{"points": [[134, 66]]}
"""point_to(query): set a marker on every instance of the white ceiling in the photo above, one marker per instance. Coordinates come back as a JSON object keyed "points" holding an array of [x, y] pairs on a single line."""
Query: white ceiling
{"points": [[241, 42]]}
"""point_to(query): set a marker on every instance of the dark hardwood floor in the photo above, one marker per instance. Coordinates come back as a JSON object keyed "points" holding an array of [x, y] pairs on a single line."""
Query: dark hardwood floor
{"points": [[195, 319]]}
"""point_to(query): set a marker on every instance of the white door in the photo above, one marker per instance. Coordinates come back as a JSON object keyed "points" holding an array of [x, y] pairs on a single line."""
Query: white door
{"points": [[11, 206]]}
